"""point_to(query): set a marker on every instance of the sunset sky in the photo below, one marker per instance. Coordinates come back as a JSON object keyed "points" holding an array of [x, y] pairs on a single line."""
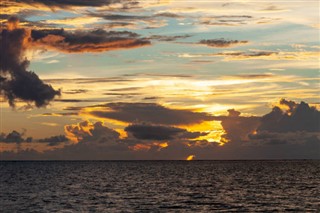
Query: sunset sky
{"points": [[159, 79]]}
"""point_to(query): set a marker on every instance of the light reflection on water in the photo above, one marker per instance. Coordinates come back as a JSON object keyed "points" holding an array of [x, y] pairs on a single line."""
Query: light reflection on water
{"points": [[160, 186]]}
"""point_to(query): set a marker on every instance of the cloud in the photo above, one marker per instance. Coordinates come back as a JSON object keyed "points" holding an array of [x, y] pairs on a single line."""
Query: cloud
{"points": [[237, 127], [120, 17], [147, 112], [226, 20], [16, 81], [256, 55], [54, 140], [297, 117], [221, 43], [85, 132], [87, 41], [267, 55], [287, 123], [138, 21], [76, 91], [13, 137], [153, 141], [156, 132], [63, 4], [168, 15], [168, 38]]}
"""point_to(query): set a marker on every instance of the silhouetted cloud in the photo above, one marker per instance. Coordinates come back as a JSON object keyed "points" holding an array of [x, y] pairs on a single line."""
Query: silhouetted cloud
{"points": [[221, 43], [149, 113], [168, 38], [13, 137], [168, 15], [298, 117], [16, 81], [120, 17], [88, 132], [76, 91], [152, 141], [54, 140], [155, 132], [63, 4], [87, 41], [237, 127], [294, 124]]}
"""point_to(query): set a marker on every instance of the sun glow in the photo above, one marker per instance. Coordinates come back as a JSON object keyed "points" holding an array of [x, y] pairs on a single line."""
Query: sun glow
{"points": [[213, 128], [190, 157]]}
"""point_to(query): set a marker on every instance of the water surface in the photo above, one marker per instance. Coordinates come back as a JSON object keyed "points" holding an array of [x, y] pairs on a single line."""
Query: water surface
{"points": [[160, 186]]}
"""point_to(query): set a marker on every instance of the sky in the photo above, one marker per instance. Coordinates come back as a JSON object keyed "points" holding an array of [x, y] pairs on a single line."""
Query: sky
{"points": [[159, 80]]}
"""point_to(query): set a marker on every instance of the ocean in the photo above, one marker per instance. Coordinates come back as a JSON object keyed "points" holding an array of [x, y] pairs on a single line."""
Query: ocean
{"points": [[160, 186]]}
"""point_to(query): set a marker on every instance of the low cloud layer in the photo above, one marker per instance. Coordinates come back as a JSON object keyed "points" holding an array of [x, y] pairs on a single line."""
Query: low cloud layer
{"points": [[252, 137]]}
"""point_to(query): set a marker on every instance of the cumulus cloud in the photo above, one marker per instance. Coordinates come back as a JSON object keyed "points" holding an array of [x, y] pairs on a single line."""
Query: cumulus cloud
{"points": [[90, 132], [147, 112], [16, 81], [287, 123], [221, 43], [237, 127], [297, 117], [12, 137]]}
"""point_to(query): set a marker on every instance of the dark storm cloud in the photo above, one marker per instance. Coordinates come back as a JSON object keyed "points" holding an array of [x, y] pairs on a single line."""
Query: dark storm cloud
{"points": [[155, 132], [149, 113], [87, 41], [16, 81], [221, 43]]}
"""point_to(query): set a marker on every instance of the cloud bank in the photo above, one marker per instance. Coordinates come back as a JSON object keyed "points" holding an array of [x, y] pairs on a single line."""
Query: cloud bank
{"points": [[278, 134]]}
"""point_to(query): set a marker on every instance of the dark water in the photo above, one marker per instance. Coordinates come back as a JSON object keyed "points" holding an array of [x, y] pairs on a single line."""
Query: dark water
{"points": [[160, 186]]}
